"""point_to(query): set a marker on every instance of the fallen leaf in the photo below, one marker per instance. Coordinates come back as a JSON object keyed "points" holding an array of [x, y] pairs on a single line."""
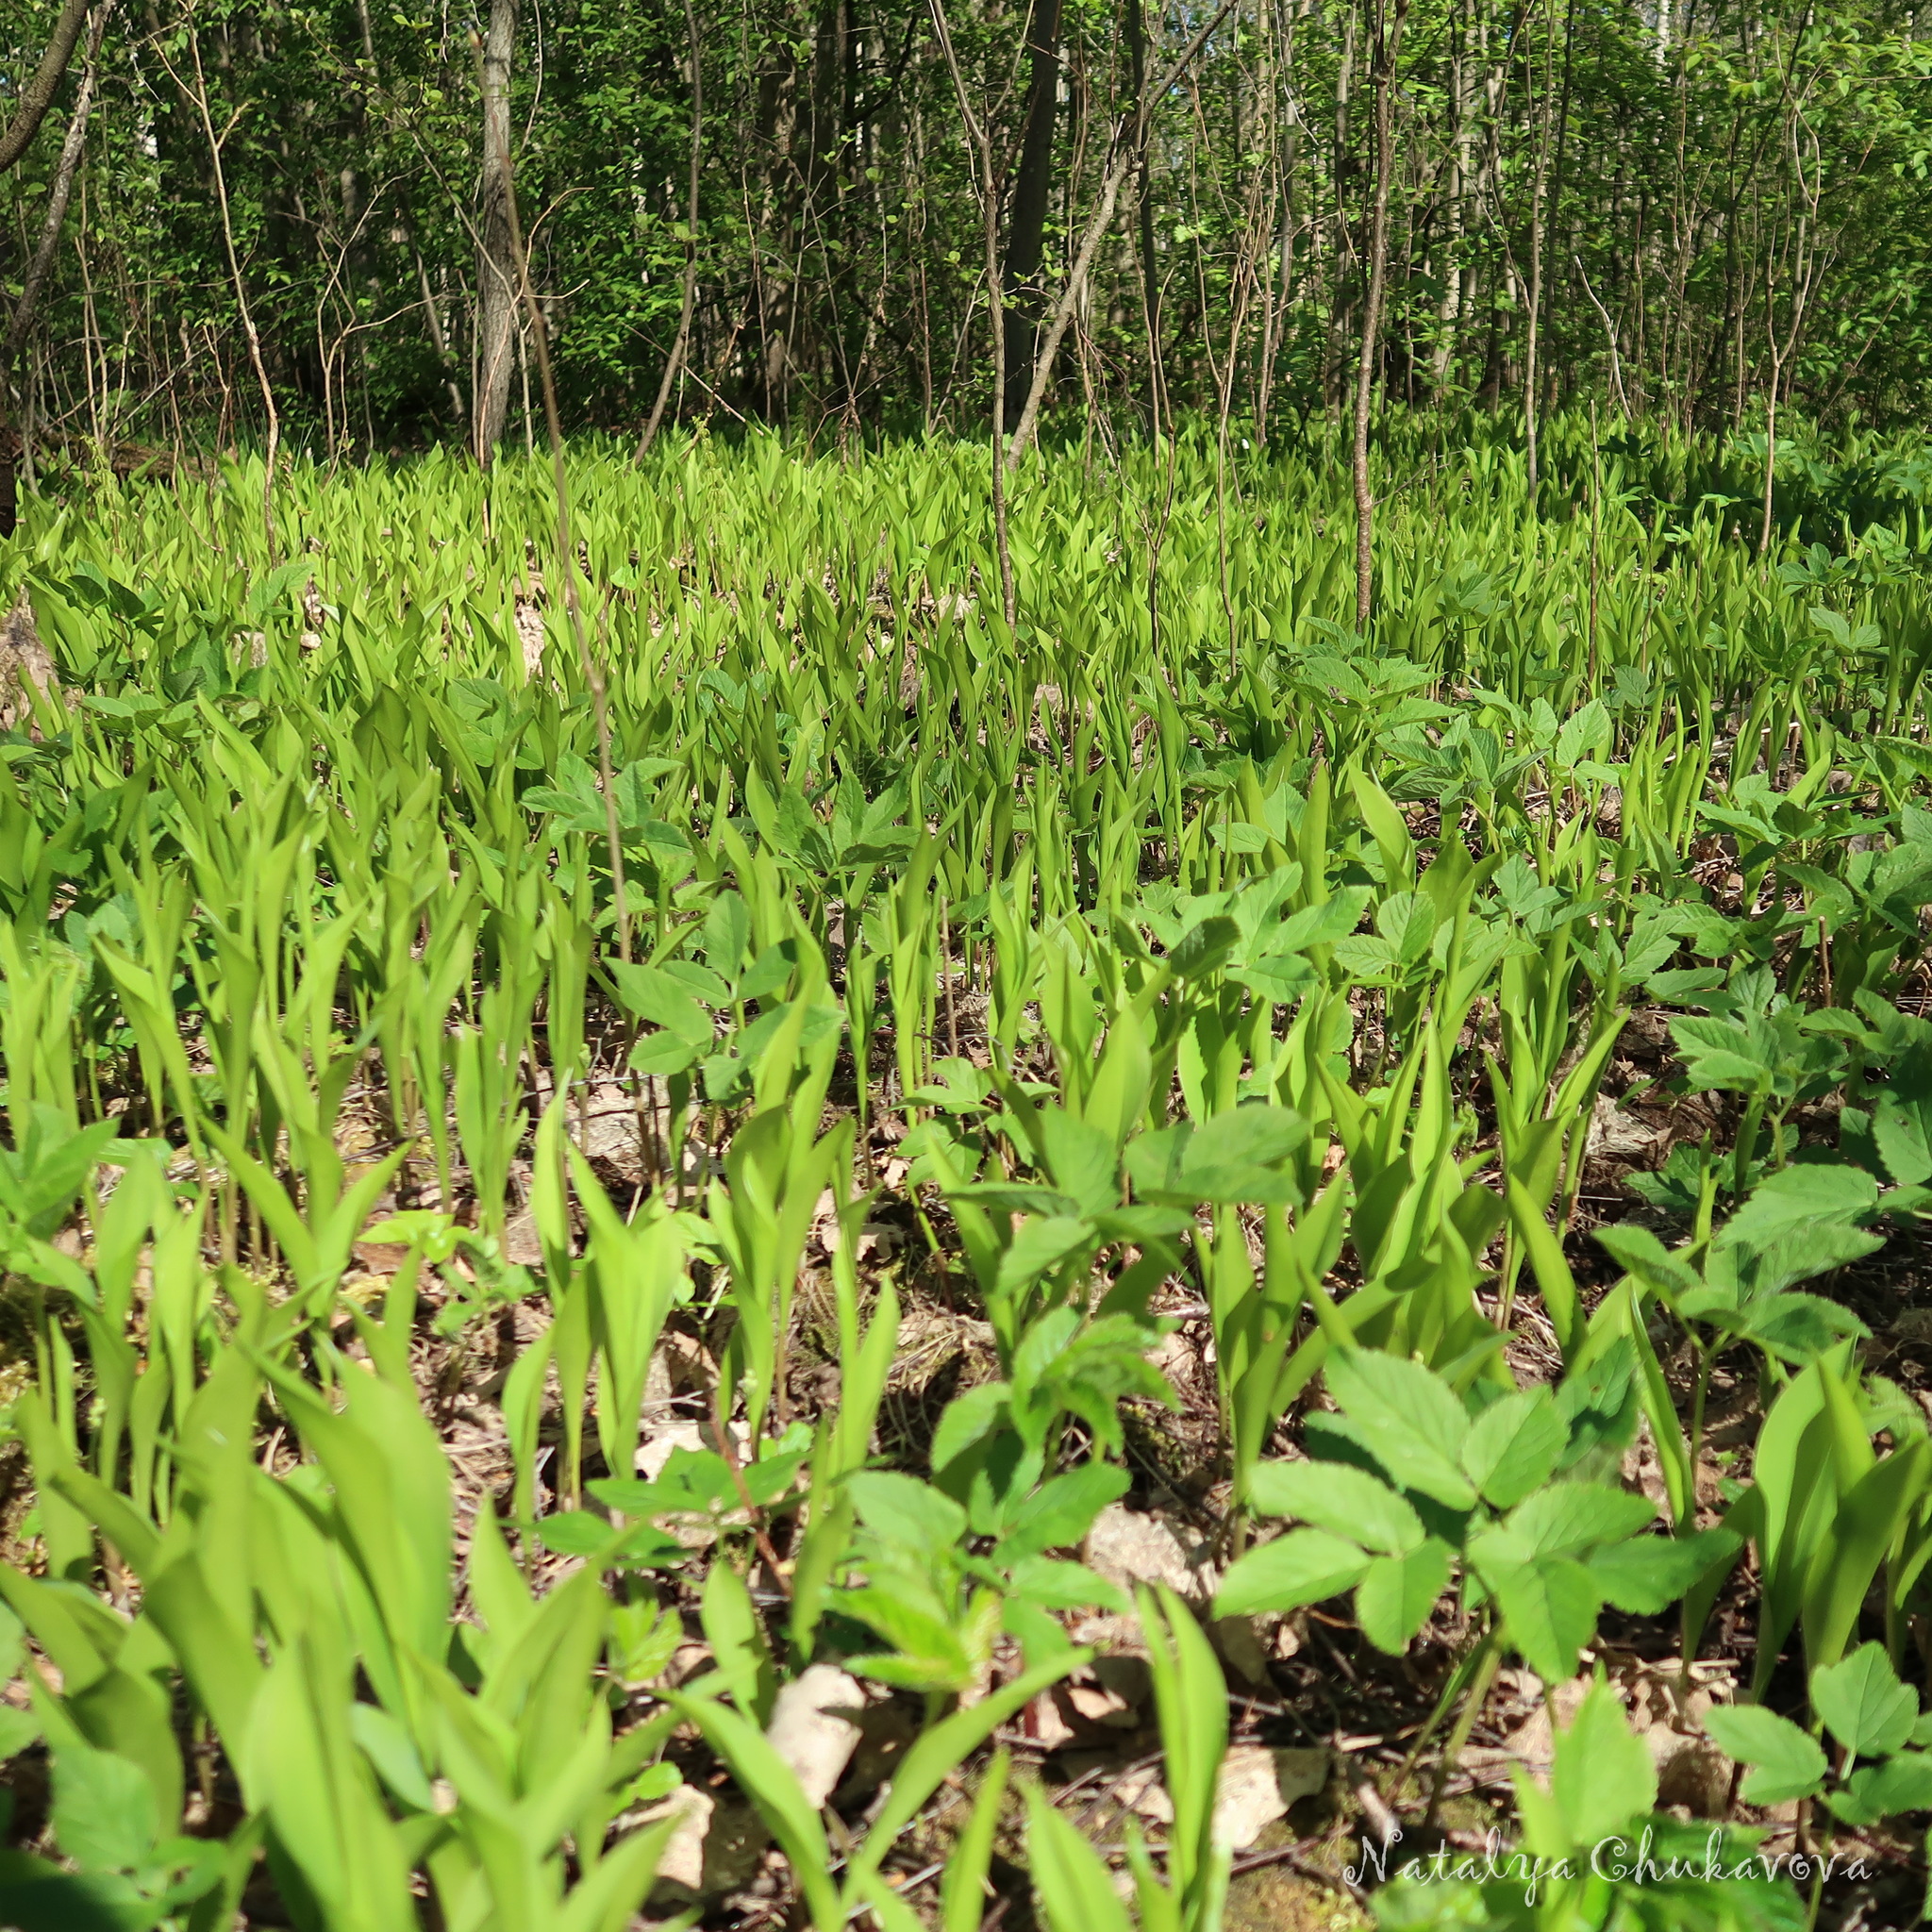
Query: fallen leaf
{"points": [[1256, 1786], [682, 1861], [1129, 1546], [662, 1444], [1615, 1135], [812, 1728], [1240, 1644]]}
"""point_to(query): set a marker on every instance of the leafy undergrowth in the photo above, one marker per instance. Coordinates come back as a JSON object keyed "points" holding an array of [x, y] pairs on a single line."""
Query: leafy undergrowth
{"points": [[883, 1266]]}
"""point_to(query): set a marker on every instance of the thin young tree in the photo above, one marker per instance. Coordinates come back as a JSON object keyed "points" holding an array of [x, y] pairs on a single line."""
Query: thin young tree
{"points": [[1032, 191], [1387, 30], [39, 265], [37, 96], [680, 345], [497, 269], [1129, 136], [978, 131]]}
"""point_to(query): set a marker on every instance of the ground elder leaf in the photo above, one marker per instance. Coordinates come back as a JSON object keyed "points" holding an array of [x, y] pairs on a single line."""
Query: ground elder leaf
{"points": [[1306, 1566]]}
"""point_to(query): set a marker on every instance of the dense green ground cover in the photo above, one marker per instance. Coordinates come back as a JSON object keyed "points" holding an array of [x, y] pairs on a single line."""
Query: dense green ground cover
{"points": [[542, 1257]]}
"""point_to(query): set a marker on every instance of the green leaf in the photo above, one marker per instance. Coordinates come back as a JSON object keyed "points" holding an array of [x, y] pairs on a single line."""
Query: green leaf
{"points": [[1513, 1446], [1602, 1775], [908, 1514], [1204, 947], [1072, 1884], [1646, 1574], [962, 1903], [924, 1631], [890, 1912], [1549, 1604], [607, 1897], [388, 1746], [1234, 1157], [728, 934], [1080, 1159], [1862, 1703], [1566, 1519], [1306, 1566], [652, 995], [1252, 1135], [1407, 922], [36, 1896], [576, 1533], [1718, 1054], [1410, 1420], [1333, 1496], [1396, 1595], [1883, 1791], [1899, 1135], [947, 1745], [18, 1729], [1786, 1762], [103, 1810], [769, 1782], [1060, 1584], [1319, 925], [1041, 1245], [1639, 1251], [1795, 1198], [968, 1420], [1795, 1326], [1058, 1514], [737, 1640]]}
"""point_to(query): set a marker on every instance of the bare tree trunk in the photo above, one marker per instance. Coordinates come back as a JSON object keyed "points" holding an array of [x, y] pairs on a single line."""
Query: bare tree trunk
{"points": [[1343, 248], [438, 342], [681, 343], [1129, 143], [249, 333], [1799, 271], [1449, 309], [1531, 334], [59, 194], [38, 96], [1289, 163], [1032, 188], [22, 321], [1150, 274], [496, 265], [432, 319], [980, 142], [1388, 42], [566, 563]]}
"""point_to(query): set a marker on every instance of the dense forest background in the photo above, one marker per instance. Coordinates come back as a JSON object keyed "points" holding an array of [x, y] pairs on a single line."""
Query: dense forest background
{"points": [[812, 211]]}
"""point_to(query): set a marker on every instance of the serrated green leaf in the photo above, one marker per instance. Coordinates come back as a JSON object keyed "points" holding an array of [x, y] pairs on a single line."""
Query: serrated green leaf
{"points": [[1549, 1604], [1411, 1417], [1306, 1566], [103, 1810], [1784, 1762], [1875, 1791], [1335, 1497], [1513, 1446], [1602, 1775], [1396, 1595], [1646, 1574], [1567, 1519], [1862, 1703]]}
